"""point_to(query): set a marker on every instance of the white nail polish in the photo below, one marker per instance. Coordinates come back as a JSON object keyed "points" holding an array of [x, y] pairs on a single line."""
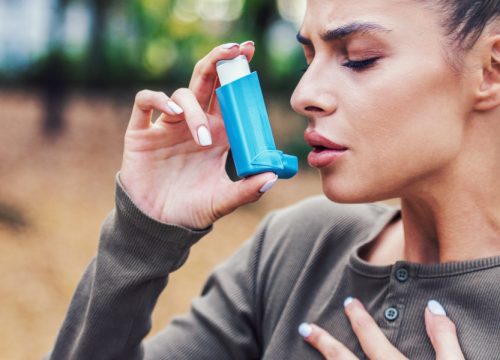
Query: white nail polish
{"points": [[204, 136], [347, 301], [436, 308], [249, 42], [174, 107], [268, 185], [305, 330], [229, 45]]}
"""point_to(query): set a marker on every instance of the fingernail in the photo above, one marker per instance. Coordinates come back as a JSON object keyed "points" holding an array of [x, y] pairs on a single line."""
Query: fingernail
{"points": [[204, 136], [305, 330], [436, 308], [176, 109], [229, 45], [268, 185], [348, 300], [248, 42]]}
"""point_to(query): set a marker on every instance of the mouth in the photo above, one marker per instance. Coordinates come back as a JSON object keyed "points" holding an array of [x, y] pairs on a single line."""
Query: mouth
{"points": [[318, 149], [320, 143], [324, 151]]}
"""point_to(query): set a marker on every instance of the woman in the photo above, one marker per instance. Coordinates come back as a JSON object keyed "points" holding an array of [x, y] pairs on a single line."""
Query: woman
{"points": [[403, 100]]}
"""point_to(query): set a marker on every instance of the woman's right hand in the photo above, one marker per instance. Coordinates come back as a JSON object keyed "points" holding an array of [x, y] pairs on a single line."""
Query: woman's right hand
{"points": [[174, 168]]}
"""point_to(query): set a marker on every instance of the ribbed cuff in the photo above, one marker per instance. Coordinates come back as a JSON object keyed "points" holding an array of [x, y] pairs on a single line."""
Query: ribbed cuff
{"points": [[141, 243]]}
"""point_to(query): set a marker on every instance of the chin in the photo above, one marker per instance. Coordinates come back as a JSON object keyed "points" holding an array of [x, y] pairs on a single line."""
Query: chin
{"points": [[351, 192]]}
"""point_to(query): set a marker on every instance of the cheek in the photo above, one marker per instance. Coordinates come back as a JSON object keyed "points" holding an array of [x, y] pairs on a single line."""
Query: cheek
{"points": [[412, 108], [404, 127]]}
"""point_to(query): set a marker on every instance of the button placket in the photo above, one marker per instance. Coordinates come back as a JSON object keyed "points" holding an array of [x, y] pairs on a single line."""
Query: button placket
{"points": [[395, 301]]}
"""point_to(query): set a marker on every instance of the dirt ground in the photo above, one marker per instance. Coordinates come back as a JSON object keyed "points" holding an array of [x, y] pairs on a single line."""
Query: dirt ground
{"points": [[62, 189]]}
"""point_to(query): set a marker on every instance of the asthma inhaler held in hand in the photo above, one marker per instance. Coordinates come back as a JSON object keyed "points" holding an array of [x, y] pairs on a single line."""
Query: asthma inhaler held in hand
{"points": [[247, 123]]}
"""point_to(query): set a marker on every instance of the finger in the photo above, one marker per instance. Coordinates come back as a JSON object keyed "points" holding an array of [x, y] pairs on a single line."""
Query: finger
{"points": [[244, 192], [213, 104], [373, 341], [194, 115], [442, 332], [247, 48], [205, 72], [145, 102], [326, 344]]}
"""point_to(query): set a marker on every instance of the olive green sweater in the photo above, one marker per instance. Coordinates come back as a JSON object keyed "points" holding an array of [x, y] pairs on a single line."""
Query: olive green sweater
{"points": [[299, 266]]}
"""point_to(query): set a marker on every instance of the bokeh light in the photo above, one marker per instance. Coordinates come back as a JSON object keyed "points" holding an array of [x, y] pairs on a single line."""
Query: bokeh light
{"points": [[292, 10], [160, 56], [76, 29], [220, 10], [185, 10]]}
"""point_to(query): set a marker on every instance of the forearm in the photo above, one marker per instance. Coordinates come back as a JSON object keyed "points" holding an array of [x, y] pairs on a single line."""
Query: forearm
{"points": [[110, 312]]}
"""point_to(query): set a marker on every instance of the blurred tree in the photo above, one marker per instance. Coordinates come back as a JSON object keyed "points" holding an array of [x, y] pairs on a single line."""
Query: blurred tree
{"points": [[259, 15], [95, 57], [53, 74], [155, 43]]}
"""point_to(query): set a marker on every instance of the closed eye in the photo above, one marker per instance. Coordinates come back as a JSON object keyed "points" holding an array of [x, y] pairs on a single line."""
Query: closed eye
{"points": [[361, 64]]}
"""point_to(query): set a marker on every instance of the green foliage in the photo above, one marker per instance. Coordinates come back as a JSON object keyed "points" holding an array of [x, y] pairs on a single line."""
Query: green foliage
{"points": [[159, 41]]}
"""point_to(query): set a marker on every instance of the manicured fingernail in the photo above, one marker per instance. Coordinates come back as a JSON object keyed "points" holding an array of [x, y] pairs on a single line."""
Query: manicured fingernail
{"points": [[249, 42], [204, 136], [305, 330], [436, 308], [176, 109], [268, 185], [229, 45], [348, 300]]}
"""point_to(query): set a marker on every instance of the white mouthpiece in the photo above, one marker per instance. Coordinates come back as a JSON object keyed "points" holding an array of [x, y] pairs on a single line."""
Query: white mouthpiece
{"points": [[231, 70]]}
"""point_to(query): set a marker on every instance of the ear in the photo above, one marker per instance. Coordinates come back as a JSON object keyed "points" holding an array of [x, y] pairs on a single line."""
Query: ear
{"points": [[488, 96]]}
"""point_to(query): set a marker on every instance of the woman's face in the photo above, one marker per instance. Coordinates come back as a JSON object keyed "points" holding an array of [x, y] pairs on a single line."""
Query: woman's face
{"points": [[378, 84]]}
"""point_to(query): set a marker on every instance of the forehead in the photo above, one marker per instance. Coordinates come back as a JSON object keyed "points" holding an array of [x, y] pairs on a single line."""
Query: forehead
{"points": [[395, 14]]}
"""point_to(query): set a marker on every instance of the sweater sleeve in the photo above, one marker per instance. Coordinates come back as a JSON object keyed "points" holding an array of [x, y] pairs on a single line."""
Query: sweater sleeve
{"points": [[110, 313]]}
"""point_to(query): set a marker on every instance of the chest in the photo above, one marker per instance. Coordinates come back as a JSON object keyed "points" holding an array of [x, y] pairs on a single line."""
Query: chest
{"points": [[396, 302]]}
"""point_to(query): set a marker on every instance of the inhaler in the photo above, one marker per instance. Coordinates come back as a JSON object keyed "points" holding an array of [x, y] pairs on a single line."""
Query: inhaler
{"points": [[247, 123]]}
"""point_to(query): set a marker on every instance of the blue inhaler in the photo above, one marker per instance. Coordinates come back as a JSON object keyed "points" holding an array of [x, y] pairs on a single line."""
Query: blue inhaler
{"points": [[247, 123]]}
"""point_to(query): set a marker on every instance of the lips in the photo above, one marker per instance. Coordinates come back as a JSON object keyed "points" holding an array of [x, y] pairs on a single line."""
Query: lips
{"points": [[319, 142], [325, 151]]}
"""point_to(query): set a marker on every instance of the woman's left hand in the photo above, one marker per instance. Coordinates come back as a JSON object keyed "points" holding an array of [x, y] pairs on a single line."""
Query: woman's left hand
{"points": [[441, 330]]}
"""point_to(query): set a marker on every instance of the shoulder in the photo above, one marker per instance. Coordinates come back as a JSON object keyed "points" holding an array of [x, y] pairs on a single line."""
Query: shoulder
{"points": [[317, 223], [318, 215]]}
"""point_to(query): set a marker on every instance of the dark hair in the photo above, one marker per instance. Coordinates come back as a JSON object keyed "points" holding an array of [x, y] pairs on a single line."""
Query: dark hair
{"points": [[465, 20]]}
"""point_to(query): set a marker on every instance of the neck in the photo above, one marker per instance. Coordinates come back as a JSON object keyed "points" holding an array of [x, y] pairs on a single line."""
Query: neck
{"points": [[457, 230], [455, 215]]}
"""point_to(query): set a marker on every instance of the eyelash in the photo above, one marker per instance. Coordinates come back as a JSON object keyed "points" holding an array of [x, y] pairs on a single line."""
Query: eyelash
{"points": [[360, 65], [355, 65]]}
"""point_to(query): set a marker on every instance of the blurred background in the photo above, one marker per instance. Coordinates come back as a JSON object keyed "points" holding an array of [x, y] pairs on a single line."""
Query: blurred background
{"points": [[69, 71]]}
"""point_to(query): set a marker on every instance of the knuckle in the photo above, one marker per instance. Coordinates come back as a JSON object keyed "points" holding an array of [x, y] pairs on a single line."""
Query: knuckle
{"points": [[360, 321], [198, 66], [446, 326], [181, 92], [202, 69], [148, 97], [142, 96]]}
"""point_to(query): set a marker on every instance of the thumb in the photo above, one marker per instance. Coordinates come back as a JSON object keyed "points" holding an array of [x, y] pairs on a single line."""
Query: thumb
{"points": [[246, 191]]}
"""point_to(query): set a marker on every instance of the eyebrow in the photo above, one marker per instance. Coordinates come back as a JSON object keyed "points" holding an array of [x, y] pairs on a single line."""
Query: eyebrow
{"points": [[344, 31]]}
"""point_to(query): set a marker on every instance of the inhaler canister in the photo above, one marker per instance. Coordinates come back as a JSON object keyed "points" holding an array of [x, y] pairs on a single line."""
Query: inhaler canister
{"points": [[247, 123]]}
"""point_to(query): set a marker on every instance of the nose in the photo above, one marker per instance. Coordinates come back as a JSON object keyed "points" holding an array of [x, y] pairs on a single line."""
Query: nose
{"points": [[314, 95]]}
